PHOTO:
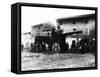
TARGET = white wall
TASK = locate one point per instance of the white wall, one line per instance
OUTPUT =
(5, 42)
(68, 27)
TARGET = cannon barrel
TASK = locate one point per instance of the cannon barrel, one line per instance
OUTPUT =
(70, 33)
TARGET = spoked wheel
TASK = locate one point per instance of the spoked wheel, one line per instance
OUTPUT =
(56, 47)
(38, 47)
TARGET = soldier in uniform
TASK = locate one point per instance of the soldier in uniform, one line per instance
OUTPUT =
(73, 46)
(43, 47)
(67, 46)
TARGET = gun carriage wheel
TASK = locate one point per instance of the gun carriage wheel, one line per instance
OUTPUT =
(38, 47)
(56, 47)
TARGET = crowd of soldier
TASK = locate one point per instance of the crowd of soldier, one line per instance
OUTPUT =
(82, 47)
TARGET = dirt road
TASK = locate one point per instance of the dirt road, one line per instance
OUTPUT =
(38, 61)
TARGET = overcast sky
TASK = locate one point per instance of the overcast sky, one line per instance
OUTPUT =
(36, 15)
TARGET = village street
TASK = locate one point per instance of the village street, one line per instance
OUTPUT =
(38, 61)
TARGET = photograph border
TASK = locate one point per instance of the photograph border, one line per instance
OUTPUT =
(16, 37)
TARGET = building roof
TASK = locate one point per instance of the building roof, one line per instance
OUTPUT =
(27, 33)
(49, 24)
(37, 26)
(77, 18)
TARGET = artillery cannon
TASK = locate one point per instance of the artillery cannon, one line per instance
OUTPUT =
(53, 38)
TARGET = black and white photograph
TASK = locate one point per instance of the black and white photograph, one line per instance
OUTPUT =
(57, 38)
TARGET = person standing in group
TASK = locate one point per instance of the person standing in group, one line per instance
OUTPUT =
(73, 46)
